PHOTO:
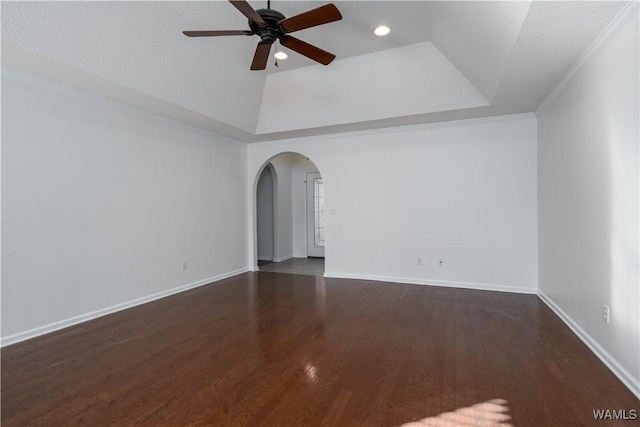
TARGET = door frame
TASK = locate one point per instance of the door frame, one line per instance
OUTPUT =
(309, 213)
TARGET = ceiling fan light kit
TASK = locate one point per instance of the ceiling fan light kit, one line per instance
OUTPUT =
(271, 26)
(382, 31)
(280, 55)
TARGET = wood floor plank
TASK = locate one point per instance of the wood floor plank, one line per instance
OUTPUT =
(283, 349)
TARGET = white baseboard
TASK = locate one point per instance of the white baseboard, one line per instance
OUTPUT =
(265, 258)
(428, 282)
(283, 258)
(55, 326)
(610, 362)
(300, 255)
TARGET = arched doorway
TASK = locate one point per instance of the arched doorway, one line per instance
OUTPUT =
(297, 212)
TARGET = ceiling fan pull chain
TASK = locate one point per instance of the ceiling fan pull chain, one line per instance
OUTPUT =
(276, 56)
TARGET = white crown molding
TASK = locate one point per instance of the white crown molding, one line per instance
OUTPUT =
(330, 136)
(19, 74)
(167, 120)
(619, 22)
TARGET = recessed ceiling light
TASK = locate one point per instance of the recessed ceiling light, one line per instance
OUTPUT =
(280, 55)
(382, 30)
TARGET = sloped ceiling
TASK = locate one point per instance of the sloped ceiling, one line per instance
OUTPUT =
(442, 60)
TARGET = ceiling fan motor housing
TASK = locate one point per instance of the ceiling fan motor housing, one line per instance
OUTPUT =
(269, 33)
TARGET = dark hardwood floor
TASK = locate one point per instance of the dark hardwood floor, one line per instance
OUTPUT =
(282, 349)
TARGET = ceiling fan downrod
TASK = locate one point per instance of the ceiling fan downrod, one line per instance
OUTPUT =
(269, 32)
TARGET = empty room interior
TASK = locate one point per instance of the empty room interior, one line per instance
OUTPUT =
(378, 213)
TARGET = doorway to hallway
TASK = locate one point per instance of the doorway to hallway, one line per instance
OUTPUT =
(304, 266)
(290, 216)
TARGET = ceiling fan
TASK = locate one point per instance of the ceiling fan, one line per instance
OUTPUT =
(272, 25)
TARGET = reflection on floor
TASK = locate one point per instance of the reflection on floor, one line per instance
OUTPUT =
(306, 266)
(272, 349)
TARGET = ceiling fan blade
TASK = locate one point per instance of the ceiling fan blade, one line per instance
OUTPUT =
(308, 50)
(246, 9)
(261, 56)
(213, 33)
(322, 15)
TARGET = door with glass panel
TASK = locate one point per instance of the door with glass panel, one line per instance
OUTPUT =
(315, 215)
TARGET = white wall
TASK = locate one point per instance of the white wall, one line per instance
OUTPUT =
(464, 191)
(265, 197)
(102, 204)
(283, 210)
(588, 203)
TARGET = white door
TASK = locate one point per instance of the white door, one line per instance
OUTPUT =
(315, 215)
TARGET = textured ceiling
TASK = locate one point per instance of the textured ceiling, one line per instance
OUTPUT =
(442, 60)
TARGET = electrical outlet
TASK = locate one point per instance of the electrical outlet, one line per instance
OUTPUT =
(605, 314)
(440, 262)
(419, 261)
(184, 266)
